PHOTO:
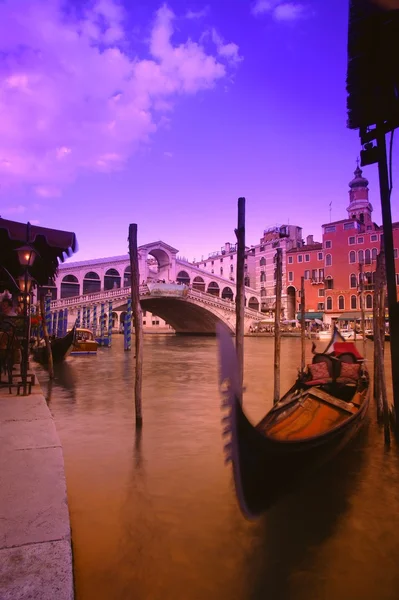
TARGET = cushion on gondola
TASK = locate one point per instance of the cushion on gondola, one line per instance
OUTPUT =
(349, 371)
(319, 371)
(312, 382)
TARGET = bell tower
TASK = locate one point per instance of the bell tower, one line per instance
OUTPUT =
(359, 206)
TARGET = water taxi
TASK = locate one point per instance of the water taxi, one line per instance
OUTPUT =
(84, 342)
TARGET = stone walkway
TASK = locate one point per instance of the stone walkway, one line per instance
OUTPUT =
(35, 536)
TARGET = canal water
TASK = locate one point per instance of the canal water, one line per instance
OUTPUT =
(154, 514)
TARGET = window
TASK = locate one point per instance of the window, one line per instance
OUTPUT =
(245, 267)
(306, 274)
(212, 270)
(328, 260)
(262, 249)
(221, 260)
(231, 257)
(262, 261)
(360, 239)
(155, 322)
(212, 262)
(231, 268)
(352, 256)
(341, 303)
(374, 254)
(351, 240)
(321, 292)
(328, 244)
(320, 306)
(263, 292)
(353, 302)
(314, 274)
(369, 301)
(144, 322)
(329, 229)
(290, 276)
(321, 274)
(367, 256)
(307, 257)
(374, 238)
(263, 277)
(353, 280)
(329, 303)
(360, 255)
(221, 270)
(349, 225)
(290, 260)
(320, 256)
(300, 257)
(329, 283)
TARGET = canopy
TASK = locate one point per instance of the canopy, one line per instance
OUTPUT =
(51, 246)
(310, 316)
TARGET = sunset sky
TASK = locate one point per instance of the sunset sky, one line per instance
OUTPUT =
(164, 114)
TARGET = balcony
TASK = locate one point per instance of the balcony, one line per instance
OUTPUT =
(316, 280)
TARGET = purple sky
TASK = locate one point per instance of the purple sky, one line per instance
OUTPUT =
(164, 114)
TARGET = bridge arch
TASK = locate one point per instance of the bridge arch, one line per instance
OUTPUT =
(253, 303)
(91, 283)
(112, 279)
(213, 288)
(183, 277)
(70, 286)
(198, 284)
(227, 293)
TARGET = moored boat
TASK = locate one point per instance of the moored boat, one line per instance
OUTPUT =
(370, 336)
(60, 348)
(313, 421)
(84, 342)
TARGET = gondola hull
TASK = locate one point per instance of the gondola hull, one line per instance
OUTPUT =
(60, 348)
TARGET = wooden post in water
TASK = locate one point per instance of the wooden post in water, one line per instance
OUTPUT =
(240, 297)
(50, 364)
(138, 319)
(303, 324)
(380, 390)
(277, 317)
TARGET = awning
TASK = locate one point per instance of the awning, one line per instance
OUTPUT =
(52, 246)
(310, 316)
(349, 316)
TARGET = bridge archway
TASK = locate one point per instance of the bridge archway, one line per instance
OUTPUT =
(91, 283)
(291, 302)
(183, 277)
(227, 293)
(213, 289)
(198, 284)
(112, 279)
(127, 277)
(70, 286)
(253, 303)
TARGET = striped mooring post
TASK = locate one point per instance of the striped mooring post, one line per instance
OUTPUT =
(127, 326)
(109, 323)
(84, 323)
(88, 317)
(95, 320)
(47, 313)
(60, 323)
(78, 318)
(65, 322)
(102, 324)
(55, 322)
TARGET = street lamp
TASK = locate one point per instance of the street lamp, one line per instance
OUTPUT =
(26, 256)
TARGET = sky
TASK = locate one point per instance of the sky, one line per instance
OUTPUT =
(163, 114)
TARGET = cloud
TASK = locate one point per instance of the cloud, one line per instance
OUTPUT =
(76, 96)
(14, 210)
(34, 222)
(279, 10)
(228, 51)
(199, 14)
(168, 154)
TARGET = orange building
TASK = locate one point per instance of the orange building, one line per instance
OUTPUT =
(331, 268)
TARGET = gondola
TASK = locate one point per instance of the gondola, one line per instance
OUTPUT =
(313, 421)
(60, 348)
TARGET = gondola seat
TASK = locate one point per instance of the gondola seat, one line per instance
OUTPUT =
(321, 371)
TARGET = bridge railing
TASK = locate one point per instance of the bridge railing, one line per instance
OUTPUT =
(225, 302)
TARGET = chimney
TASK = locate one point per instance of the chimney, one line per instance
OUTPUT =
(227, 246)
(309, 240)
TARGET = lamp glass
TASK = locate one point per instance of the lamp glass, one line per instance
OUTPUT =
(22, 282)
(26, 256)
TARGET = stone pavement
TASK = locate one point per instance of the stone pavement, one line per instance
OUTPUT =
(35, 536)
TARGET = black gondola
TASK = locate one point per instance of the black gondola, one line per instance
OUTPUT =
(313, 421)
(60, 348)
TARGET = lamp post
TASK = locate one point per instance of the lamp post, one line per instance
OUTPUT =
(26, 257)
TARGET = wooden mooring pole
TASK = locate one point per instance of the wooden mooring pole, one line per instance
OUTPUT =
(380, 389)
(303, 324)
(277, 335)
(240, 297)
(138, 320)
(50, 364)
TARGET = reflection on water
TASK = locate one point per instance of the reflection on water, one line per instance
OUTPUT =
(153, 511)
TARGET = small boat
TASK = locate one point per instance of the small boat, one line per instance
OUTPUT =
(324, 334)
(350, 335)
(370, 336)
(313, 421)
(84, 342)
(60, 348)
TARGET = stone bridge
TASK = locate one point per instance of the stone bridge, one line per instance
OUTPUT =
(187, 310)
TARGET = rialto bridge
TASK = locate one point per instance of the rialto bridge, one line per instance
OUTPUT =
(183, 296)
